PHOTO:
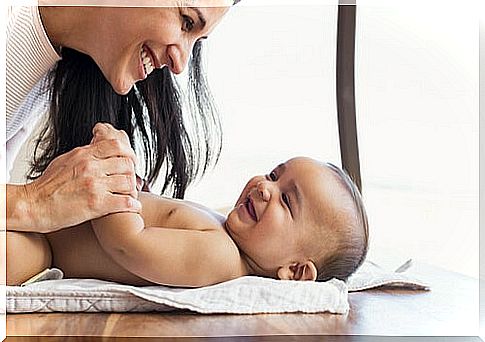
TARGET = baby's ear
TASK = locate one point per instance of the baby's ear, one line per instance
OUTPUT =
(298, 271)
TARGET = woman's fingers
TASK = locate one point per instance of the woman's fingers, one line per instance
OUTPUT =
(104, 131)
(117, 203)
(103, 149)
(122, 185)
(116, 158)
(110, 142)
(115, 166)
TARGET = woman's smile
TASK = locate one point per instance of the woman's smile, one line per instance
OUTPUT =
(148, 62)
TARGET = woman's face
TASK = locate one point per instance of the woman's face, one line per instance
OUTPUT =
(133, 41)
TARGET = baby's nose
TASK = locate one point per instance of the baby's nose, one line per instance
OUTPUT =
(263, 191)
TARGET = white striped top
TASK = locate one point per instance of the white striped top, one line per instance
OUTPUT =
(29, 56)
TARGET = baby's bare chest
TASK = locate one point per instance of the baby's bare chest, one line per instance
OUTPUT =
(169, 213)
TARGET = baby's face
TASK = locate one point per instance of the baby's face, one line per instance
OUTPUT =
(277, 214)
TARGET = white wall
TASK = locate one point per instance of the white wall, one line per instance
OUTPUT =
(417, 100)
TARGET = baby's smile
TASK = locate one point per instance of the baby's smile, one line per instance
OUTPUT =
(250, 208)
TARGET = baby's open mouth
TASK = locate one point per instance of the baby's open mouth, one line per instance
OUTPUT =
(250, 208)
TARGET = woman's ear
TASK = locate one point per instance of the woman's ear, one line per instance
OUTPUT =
(298, 271)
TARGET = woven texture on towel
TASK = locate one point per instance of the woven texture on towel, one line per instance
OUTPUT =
(246, 295)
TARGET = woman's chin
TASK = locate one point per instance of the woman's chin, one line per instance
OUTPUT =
(122, 86)
(123, 89)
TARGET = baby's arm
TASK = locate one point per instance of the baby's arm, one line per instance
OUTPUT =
(178, 257)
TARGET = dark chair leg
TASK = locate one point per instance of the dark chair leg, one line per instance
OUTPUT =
(349, 149)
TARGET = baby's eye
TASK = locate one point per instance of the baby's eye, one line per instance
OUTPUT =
(272, 176)
(286, 200)
(188, 23)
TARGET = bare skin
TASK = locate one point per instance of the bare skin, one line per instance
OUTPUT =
(87, 182)
(79, 254)
(273, 231)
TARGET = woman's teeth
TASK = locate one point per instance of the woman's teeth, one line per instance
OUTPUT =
(147, 62)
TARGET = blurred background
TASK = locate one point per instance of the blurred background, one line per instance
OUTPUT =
(272, 72)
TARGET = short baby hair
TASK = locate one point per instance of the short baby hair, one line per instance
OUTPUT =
(353, 241)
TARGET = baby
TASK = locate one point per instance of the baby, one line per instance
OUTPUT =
(303, 221)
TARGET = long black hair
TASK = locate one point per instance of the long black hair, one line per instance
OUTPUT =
(184, 144)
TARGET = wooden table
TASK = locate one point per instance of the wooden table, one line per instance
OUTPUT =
(449, 309)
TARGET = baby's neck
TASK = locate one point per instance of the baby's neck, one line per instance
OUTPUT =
(251, 268)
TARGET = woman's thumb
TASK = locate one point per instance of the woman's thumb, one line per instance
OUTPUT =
(100, 131)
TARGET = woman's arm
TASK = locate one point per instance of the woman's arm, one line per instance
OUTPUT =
(178, 257)
(85, 183)
(18, 212)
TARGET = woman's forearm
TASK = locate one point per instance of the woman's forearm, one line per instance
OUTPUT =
(19, 213)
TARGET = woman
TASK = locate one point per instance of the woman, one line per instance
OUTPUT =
(112, 65)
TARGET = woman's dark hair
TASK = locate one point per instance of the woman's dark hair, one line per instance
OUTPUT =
(151, 113)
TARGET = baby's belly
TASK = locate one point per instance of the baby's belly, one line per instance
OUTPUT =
(77, 253)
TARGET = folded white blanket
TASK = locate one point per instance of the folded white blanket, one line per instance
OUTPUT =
(246, 295)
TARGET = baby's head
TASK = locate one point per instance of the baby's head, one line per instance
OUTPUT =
(304, 221)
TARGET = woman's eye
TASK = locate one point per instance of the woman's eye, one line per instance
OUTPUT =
(272, 176)
(188, 23)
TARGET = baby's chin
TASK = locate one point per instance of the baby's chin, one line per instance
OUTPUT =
(231, 213)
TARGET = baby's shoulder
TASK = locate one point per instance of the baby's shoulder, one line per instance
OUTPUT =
(219, 258)
(172, 213)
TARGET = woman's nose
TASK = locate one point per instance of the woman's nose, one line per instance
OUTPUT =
(263, 191)
(180, 55)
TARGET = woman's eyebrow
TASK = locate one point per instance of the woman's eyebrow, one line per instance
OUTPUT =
(202, 20)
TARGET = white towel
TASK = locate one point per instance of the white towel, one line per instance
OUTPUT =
(246, 295)
(243, 296)
(371, 275)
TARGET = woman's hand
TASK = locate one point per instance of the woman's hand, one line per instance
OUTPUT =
(86, 183)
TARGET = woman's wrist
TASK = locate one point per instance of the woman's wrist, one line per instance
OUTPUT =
(19, 209)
